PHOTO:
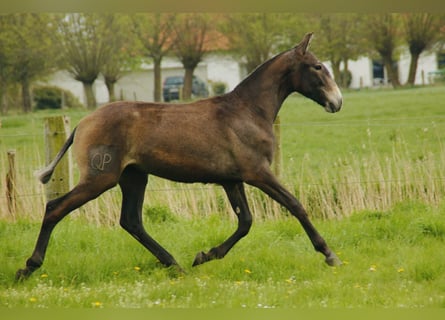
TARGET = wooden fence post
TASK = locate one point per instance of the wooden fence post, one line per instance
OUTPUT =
(56, 132)
(11, 184)
(277, 161)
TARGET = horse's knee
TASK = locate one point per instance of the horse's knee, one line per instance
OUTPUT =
(130, 226)
(52, 204)
(51, 217)
(244, 226)
(124, 224)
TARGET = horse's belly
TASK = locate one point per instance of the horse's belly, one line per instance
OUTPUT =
(189, 168)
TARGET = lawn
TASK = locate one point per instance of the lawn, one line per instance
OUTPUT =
(391, 259)
(385, 146)
(372, 178)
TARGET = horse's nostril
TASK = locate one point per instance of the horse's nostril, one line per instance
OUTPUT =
(332, 107)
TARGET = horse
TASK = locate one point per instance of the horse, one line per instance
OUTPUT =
(226, 140)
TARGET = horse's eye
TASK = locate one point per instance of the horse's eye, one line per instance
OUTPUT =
(317, 67)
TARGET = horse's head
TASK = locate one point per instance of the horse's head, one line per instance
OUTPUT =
(312, 79)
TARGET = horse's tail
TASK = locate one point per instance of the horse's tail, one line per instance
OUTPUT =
(45, 174)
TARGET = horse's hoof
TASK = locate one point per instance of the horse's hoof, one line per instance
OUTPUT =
(176, 270)
(200, 258)
(332, 260)
(22, 274)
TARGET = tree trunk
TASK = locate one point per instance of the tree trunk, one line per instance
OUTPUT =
(3, 100)
(157, 79)
(346, 79)
(335, 64)
(26, 95)
(413, 68)
(393, 75)
(277, 158)
(188, 80)
(89, 95)
(109, 83)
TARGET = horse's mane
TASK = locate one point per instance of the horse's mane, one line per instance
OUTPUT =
(259, 70)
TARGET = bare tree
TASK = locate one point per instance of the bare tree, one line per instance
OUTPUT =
(338, 40)
(26, 51)
(191, 32)
(154, 33)
(85, 47)
(383, 34)
(123, 50)
(5, 63)
(257, 36)
(422, 31)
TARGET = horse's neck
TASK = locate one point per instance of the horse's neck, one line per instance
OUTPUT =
(265, 89)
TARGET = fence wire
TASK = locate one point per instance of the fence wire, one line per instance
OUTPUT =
(365, 123)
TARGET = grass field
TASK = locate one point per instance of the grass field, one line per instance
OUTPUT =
(372, 177)
(382, 148)
(391, 259)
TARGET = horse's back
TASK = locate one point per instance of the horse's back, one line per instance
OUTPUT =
(184, 142)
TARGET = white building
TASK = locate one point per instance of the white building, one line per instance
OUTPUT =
(138, 85)
(367, 73)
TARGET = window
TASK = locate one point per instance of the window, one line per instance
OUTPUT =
(441, 60)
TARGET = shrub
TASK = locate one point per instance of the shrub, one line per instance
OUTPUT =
(159, 213)
(219, 87)
(440, 76)
(345, 78)
(50, 97)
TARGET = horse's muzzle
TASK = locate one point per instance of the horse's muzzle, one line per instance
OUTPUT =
(334, 101)
(333, 107)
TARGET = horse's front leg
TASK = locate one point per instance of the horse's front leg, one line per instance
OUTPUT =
(237, 198)
(133, 183)
(268, 184)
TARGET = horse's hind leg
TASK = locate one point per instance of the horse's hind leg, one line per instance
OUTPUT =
(55, 211)
(237, 198)
(133, 183)
(268, 184)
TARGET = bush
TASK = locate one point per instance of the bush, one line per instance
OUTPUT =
(158, 214)
(50, 97)
(345, 78)
(219, 87)
(440, 76)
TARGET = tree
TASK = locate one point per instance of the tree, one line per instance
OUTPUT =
(338, 40)
(122, 51)
(191, 33)
(5, 63)
(26, 51)
(85, 47)
(383, 34)
(422, 31)
(154, 33)
(257, 36)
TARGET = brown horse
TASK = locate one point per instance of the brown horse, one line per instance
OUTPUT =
(226, 140)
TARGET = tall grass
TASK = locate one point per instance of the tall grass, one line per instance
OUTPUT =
(385, 147)
(374, 182)
(392, 259)
(378, 165)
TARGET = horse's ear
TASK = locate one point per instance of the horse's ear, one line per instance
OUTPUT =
(304, 44)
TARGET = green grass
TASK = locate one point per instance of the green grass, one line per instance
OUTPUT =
(369, 122)
(372, 178)
(384, 147)
(391, 259)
